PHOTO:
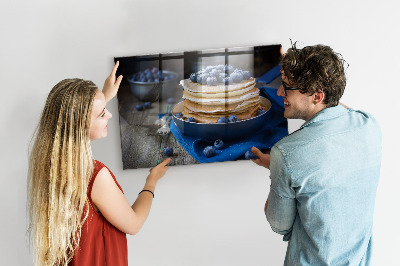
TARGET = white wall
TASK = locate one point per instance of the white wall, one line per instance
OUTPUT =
(204, 214)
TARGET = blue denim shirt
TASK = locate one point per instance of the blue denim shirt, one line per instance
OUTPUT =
(323, 183)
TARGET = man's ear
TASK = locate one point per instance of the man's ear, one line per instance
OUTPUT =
(318, 97)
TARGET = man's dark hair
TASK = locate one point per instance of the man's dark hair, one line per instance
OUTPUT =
(316, 69)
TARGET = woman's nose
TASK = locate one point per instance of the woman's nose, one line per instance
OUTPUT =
(109, 114)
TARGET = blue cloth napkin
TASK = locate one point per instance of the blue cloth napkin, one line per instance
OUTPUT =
(270, 75)
(275, 129)
(270, 94)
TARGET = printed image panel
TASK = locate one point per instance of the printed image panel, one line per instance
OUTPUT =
(203, 106)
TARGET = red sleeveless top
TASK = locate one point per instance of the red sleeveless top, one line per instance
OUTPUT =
(101, 243)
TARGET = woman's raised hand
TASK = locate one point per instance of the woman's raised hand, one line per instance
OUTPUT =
(111, 85)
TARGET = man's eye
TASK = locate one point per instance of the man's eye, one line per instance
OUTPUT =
(103, 114)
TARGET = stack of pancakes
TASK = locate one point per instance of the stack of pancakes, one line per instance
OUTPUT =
(207, 103)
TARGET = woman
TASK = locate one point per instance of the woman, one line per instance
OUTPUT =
(78, 212)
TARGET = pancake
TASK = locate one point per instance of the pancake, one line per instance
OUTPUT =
(190, 86)
(212, 93)
(221, 109)
(222, 98)
(200, 118)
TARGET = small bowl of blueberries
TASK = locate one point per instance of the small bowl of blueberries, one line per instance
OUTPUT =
(153, 84)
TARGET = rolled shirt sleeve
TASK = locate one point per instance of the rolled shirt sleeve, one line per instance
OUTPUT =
(281, 210)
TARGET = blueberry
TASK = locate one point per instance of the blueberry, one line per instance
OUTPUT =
(156, 80)
(193, 77)
(221, 77)
(211, 74)
(199, 79)
(135, 77)
(154, 70)
(147, 70)
(260, 112)
(229, 69)
(212, 81)
(150, 80)
(222, 119)
(179, 115)
(202, 78)
(250, 155)
(219, 144)
(215, 72)
(236, 77)
(233, 118)
(227, 80)
(208, 69)
(246, 75)
(149, 75)
(209, 151)
(139, 107)
(168, 151)
(220, 67)
(147, 104)
(190, 119)
(143, 79)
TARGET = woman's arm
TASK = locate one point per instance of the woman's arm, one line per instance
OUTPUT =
(114, 206)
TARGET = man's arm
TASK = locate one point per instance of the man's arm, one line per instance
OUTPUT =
(280, 208)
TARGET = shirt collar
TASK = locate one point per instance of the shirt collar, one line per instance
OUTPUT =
(326, 114)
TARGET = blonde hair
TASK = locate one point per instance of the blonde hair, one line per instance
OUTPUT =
(60, 167)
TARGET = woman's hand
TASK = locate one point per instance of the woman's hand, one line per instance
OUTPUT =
(158, 171)
(264, 159)
(111, 85)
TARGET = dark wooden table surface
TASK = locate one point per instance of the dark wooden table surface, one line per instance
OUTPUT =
(141, 146)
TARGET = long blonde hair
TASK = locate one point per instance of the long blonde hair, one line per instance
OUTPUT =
(60, 168)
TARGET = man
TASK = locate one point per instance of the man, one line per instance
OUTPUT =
(323, 176)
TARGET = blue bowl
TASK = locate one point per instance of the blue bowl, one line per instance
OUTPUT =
(154, 91)
(225, 131)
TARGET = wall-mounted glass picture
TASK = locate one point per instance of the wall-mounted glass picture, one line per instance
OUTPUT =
(203, 106)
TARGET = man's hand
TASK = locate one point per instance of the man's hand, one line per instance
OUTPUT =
(111, 85)
(264, 158)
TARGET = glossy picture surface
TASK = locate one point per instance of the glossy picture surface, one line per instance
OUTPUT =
(199, 106)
